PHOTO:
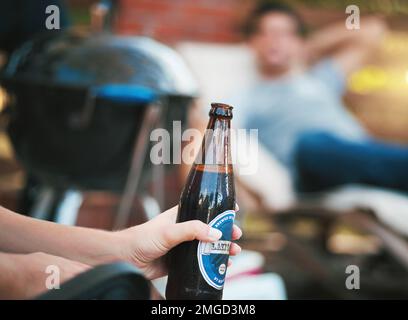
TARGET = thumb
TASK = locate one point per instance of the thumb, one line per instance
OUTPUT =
(191, 230)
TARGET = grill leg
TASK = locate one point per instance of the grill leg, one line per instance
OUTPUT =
(150, 119)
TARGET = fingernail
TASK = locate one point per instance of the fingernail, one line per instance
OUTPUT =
(239, 249)
(214, 234)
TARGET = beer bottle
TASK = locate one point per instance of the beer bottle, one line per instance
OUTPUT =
(197, 269)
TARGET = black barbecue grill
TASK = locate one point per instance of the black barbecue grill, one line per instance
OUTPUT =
(83, 106)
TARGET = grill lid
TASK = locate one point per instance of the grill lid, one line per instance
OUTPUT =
(71, 58)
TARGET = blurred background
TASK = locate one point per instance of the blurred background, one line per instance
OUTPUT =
(302, 254)
(376, 93)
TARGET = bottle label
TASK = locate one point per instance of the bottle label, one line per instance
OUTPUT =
(213, 257)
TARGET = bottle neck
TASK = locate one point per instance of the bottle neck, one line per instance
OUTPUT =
(215, 149)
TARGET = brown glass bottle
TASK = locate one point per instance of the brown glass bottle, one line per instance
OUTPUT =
(196, 269)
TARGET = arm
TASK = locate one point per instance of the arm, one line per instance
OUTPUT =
(348, 48)
(10, 281)
(24, 276)
(21, 234)
(143, 245)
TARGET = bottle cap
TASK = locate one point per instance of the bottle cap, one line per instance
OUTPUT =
(221, 109)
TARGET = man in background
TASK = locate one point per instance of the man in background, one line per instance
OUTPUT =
(297, 107)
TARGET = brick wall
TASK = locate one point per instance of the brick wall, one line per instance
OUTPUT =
(170, 21)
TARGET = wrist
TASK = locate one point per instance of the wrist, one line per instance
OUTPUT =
(112, 250)
(130, 243)
(13, 276)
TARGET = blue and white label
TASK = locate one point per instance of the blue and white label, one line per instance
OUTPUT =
(213, 256)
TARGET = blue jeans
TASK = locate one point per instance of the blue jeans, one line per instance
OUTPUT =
(324, 161)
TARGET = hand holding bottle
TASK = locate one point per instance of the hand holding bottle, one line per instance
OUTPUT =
(148, 243)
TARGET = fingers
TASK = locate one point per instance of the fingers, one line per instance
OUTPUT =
(188, 231)
(192, 230)
(235, 249)
(236, 232)
(197, 230)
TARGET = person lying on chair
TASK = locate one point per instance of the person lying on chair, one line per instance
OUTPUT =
(28, 246)
(296, 104)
